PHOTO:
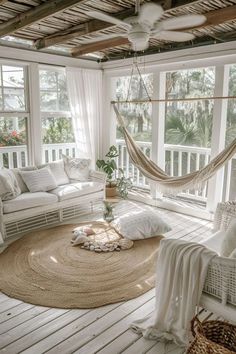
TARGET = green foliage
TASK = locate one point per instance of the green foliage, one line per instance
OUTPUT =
(57, 130)
(109, 166)
(123, 184)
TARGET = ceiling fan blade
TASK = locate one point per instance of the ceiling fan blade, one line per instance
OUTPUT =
(173, 36)
(185, 21)
(150, 13)
(107, 18)
(103, 38)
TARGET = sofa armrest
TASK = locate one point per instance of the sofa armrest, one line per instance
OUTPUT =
(97, 176)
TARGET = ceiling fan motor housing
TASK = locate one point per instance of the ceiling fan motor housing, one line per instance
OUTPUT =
(138, 34)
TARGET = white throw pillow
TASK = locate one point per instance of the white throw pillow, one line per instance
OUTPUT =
(21, 183)
(77, 168)
(58, 171)
(41, 180)
(233, 254)
(9, 188)
(140, 224)
(229, 241)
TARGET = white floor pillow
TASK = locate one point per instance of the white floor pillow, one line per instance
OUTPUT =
(140, 224)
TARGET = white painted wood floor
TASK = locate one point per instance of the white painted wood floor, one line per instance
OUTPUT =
(25, 328)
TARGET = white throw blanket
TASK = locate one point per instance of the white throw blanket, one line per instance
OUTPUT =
(181, 272)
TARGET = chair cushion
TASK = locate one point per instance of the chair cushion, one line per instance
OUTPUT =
(214, 242)
(58, 171)
(77, 189)
(229, 240)
(28, 200)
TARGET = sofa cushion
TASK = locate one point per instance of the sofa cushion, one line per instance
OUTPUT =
(9, 188)
(28, 200)
(58, 171)
(77, 189)
(41, 180)
(21, 183)
(77, 168)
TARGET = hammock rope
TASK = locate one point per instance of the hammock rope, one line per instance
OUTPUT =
(166, 183)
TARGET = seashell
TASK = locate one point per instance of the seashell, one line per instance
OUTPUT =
(86, 244)
(79, 239)
(98, 250)
(125, 243)
(92, 248)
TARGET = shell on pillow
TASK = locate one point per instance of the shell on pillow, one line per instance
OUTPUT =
(125, 243)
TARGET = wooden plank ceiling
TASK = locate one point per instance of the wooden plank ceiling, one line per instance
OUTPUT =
(65, 24)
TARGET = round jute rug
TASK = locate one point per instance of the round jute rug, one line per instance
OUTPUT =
(43, 268)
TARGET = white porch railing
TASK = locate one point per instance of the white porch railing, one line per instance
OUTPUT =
(179, 160)
(16, 156)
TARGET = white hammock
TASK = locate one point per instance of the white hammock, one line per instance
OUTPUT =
(193, 180)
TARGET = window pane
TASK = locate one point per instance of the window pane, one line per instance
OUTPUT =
(48, 79)
(190, 83)
(14, 99)
(53, 91)
(189, 123)
(13, 142)
(231, 112)
(138, 120)
(58, 138)
(13, 76)
(48, 101)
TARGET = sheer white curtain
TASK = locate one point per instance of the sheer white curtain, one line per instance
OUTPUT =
(85, 96)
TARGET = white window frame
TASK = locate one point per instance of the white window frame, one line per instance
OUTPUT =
(19, 114)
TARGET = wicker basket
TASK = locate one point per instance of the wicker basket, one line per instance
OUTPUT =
(212, 337)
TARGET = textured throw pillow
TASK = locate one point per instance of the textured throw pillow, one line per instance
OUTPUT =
(140, 225)
(58, 171)
(77, 168)
(21, 183)
(9, 188)
(229, 241)
(41, 180)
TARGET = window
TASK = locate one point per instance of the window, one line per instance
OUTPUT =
(188, 122)
(138, 120)
(57, 129)
(13, 116)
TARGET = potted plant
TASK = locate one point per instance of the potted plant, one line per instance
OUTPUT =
(114, 183)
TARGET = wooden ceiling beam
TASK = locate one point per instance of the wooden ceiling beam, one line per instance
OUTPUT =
(214, 18)
(35, 14)
(88, 27)
(94, 47)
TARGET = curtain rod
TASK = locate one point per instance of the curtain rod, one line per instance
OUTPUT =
(175, 99)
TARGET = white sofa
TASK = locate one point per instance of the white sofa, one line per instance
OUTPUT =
(30, 211)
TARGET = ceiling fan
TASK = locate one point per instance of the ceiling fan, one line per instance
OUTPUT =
(146, 24)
